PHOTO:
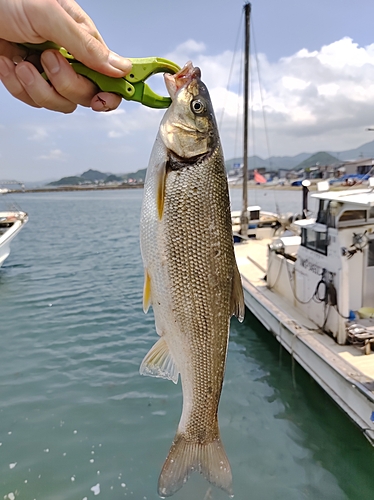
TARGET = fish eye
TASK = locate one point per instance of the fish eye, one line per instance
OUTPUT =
(198, 106)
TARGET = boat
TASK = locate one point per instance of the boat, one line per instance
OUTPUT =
(11, 223)
(315, 293)
(312, 287)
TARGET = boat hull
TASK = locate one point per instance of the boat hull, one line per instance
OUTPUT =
(16, 221)
(344, 385)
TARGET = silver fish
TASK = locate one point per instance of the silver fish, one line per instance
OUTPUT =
(191, 276)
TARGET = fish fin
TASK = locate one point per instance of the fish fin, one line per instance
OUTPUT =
(237, 296)
(159, 363)
(161, 182)
(146, 291)
(185, 457)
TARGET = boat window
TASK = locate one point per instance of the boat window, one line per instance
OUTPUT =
(314, 240)
(371, 213)
(349, 215)
(321, 246)
(254, 215)
(371, 253)
(322, 212)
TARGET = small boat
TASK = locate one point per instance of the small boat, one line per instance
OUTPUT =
(11, 223)
(259, 222)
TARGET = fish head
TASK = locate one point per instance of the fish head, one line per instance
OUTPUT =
(189, 127)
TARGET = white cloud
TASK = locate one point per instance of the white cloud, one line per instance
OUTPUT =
(54, 154)
(313, 100)
(38, 134)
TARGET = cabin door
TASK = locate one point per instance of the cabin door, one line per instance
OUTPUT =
(368, 295)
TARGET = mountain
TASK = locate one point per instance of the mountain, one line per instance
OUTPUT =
(112, 178)
(321, 158)
(138, 176)
(94, 175)
(291, 162)
(302, 160)
(68, 181)
(364, 151)
(272, 163)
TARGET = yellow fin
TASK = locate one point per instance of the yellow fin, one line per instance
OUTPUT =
(237, 297)
(159, 363)
(161, 174)
(146, 291)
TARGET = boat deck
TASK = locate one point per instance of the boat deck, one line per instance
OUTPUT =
(251, 257)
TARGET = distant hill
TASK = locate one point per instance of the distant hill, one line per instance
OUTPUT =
(113, 178)
(68, 181)
(272, 163)
(138, 176)
(293, 162)
(321, 158)
(302, 160)
(364, 151)
(94, 175)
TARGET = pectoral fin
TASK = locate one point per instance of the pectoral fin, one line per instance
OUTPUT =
(237, 296)
(159, 362)
(146, 291)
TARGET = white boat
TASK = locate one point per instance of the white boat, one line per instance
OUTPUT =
(315, 293)
(11, 223)
(257, 219)
(314, 289)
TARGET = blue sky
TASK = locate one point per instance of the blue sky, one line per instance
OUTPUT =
(316, 63)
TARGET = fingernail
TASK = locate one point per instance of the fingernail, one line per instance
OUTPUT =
(51, 62)
(25, 74)
(119, 62)
(4, 70)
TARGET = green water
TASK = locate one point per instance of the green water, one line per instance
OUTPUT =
(77, 421)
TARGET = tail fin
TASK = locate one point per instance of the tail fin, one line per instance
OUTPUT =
(185, 457)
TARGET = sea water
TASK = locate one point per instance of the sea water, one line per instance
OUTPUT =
(77, 421)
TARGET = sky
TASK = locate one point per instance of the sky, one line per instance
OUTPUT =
(315, 65)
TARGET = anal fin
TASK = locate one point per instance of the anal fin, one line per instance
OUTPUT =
(146, 291)
(237, 296)
(159, 363)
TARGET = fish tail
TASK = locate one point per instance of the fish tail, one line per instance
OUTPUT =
(185, 457)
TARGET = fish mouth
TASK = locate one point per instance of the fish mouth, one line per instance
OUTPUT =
(181, 79)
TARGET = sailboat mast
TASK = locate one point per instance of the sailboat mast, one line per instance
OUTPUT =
(244, 215)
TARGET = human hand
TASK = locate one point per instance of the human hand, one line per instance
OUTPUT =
(66, 24)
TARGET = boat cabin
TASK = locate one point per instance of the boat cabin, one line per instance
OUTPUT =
(328, 271)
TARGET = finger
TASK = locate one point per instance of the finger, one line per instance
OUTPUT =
(103, 101)
(78, 41)
(66, 81)
(80, 16)
(11, 82)
(41, 93)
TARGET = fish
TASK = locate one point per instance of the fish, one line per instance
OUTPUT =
(191, 276)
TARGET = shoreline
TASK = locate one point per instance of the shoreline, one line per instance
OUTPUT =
(75, 188)
(251, 187)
